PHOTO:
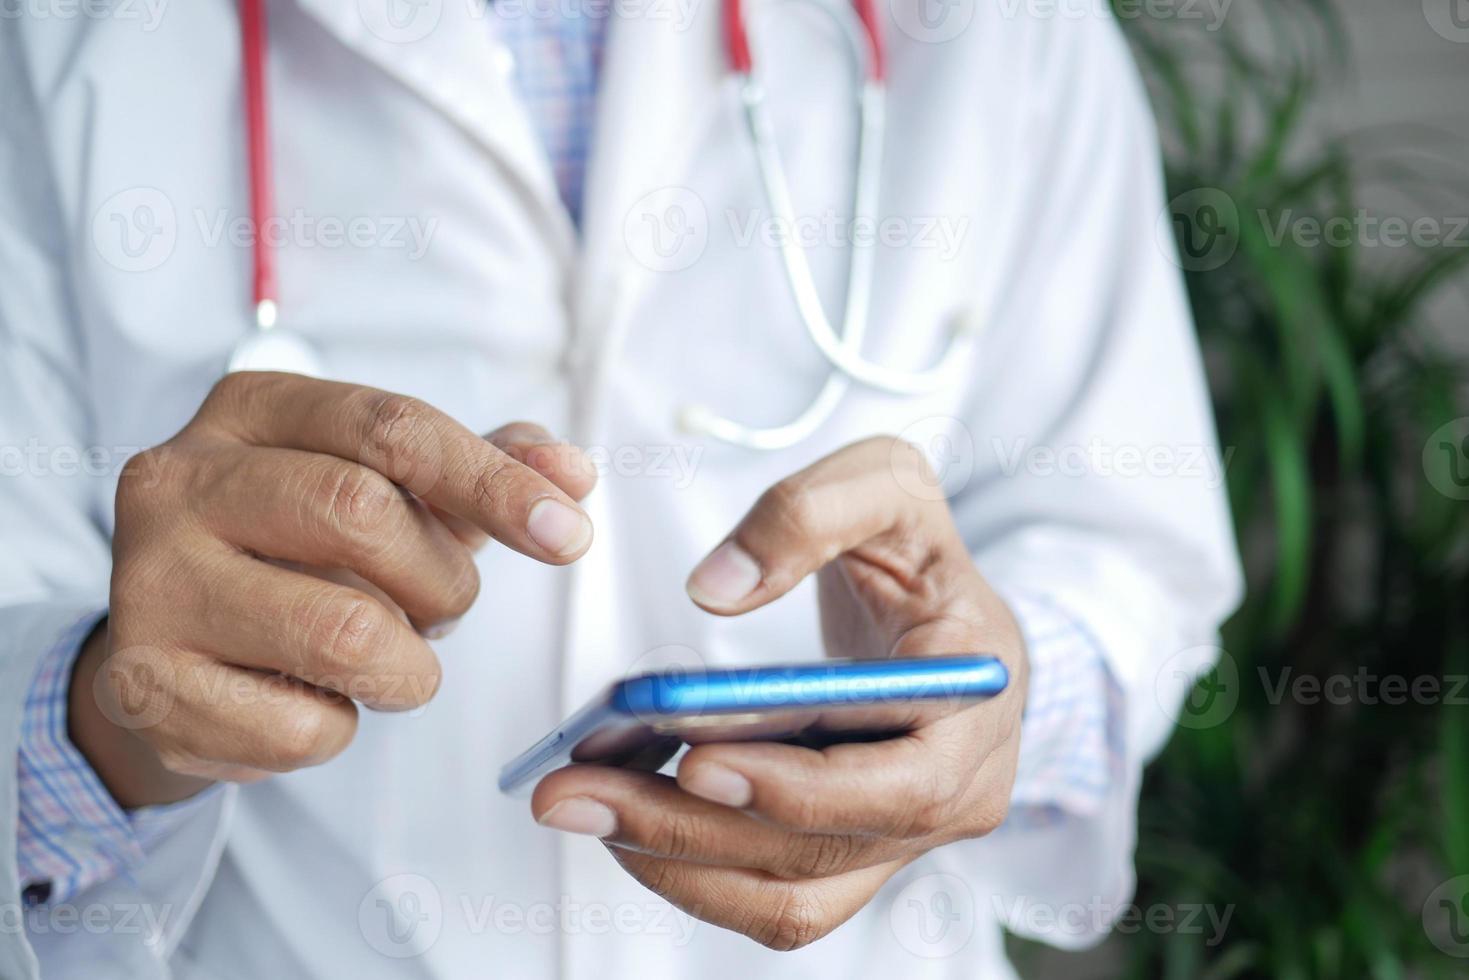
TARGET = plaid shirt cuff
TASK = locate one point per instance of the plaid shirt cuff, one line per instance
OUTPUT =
(71, 834)
(1071, 737)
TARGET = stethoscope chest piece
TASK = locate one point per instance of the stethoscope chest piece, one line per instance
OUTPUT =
(276, 350)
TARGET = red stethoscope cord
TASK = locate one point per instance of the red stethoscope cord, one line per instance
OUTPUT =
(737, 40)
(265, 288)
(253, 40)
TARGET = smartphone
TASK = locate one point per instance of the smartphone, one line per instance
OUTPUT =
(642, 720)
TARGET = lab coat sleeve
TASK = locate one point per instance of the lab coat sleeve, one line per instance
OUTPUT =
(1097, 484)
(53, 488)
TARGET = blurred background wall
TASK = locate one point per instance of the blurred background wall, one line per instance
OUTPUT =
(1410, 83)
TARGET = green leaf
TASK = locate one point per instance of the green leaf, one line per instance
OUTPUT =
(1300, 315)
(1346, 398)
(1290, 483)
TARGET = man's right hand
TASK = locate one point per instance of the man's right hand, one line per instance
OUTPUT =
(278, 561)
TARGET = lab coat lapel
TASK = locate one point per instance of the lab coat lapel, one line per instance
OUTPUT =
(660, 88)
(444, 51)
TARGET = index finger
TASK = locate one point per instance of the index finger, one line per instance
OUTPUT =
(853, 498)
(411, 443)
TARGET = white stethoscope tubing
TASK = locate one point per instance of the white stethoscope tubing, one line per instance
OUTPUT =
(842, 350)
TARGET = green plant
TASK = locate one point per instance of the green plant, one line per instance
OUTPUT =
(1324, 825)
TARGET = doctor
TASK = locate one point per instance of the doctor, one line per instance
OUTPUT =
(256, 695)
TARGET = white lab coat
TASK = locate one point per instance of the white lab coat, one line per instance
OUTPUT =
(1028, 136)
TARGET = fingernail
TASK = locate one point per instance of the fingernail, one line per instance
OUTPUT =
(725, 577)
(579, 815)
(440, 630)
(719, 784)
(560, 529)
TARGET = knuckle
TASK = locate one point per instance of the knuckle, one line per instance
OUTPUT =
(136, 466)
(819, 856)
(662, 878)
(141, 473)
(801, 810)
(132, 577)
(227, 393)
(676, 835)
(932, 811)
(923, 820)
(795, 920)
(496, 485)
(791, 503)
(396, 425)
(348, 634)
(356, 500)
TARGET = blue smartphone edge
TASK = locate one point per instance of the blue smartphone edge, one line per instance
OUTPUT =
(819, 684)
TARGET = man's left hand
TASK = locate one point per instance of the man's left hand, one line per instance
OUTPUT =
(784, 843)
